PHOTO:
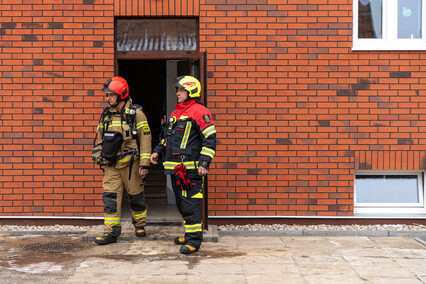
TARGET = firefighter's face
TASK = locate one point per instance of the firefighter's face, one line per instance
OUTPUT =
(111, 98)
(182, 95)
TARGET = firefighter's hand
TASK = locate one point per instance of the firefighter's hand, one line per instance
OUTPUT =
(143, 172)
(154, 158)
(202, 171)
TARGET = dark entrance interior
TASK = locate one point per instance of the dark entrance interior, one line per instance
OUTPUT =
(146, 79)
(149, 81)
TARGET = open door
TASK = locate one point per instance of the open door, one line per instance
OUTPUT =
(150, 53)
(198, 70)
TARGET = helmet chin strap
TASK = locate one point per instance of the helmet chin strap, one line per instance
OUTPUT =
(117, 102)
(188, 98)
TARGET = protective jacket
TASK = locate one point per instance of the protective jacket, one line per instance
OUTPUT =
(132, 123)
(189, 142)
(189, 138)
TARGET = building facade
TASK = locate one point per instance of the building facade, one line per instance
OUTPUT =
(320, 111)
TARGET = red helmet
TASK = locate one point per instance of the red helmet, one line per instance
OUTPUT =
(117, 85)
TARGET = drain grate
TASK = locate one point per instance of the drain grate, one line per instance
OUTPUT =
(52, 247)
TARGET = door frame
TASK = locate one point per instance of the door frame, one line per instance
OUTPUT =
(193, 57)
(201, 57)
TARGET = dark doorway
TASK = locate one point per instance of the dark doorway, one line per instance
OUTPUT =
(150, 85)
(146, 79)
(150, 54)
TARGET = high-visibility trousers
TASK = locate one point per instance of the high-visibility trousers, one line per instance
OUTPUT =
(115, 181)
(189, 205)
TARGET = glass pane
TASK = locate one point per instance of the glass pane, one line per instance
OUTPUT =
(156, 34)
(195, 70)
(409, 19)
(370, 15)
(386, 189)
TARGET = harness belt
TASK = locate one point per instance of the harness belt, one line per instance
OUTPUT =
(128, 155)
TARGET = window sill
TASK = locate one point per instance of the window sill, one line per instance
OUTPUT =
(390, 216)
(387, 47)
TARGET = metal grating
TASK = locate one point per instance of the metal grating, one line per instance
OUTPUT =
(52, 247)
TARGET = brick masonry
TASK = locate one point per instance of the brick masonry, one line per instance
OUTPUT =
(54, 56)
(297, 111)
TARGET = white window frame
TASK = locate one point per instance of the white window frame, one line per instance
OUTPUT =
(392, 208)
(389, 40)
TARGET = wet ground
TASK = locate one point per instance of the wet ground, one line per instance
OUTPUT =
(39, 258)
(234, 259)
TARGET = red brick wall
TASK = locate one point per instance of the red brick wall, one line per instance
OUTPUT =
(54, 56)
(297, 111)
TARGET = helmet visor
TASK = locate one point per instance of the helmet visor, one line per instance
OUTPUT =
(108, 90)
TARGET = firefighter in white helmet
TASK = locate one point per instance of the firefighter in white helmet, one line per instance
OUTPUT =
(187, 149)
(123, 151)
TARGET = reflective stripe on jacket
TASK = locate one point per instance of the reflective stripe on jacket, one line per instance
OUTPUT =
(189, 137)
(113, 122)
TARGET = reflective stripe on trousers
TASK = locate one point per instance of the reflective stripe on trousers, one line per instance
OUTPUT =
(115, 181)
(112, 221)
(189, 204)
(193, 228)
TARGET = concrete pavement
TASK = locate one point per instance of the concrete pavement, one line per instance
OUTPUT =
(259, 259)
(234, 259)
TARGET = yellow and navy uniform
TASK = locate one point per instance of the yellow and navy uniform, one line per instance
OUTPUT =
(189, 139)
(134, 153)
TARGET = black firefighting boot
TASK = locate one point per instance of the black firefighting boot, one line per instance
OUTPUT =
(180, 240)
(187, 249)
(140, 232)
(106, 239)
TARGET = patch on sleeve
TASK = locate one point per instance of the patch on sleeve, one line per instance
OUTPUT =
(146, 130)
(206, 118)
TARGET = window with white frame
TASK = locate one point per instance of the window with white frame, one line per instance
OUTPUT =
(389, 192)
(389, 25)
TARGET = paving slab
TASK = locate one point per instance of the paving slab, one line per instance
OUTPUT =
(234, 259)
(328, 233)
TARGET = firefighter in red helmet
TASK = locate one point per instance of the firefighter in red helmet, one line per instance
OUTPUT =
(123, 151)
(187, 149)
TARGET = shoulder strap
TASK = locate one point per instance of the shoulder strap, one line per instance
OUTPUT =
(130, 120)
(101, 120)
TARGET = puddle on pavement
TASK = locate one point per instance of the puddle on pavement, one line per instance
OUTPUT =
(37, 264)
(63, 254)
(39, 254)
(195, 258)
